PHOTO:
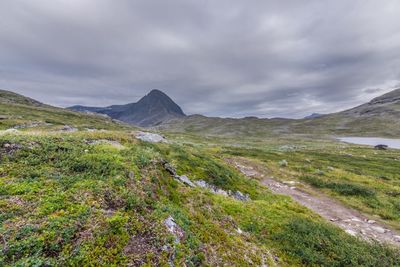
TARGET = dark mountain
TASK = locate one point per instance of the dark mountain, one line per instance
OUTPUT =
(313, 116)
(153, 109)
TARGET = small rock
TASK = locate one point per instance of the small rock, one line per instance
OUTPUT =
(240, 196)
(330, 168)
(356, 220)
(239, 231)
(220, 192)
(290, 182)
(371, 221)
(381, 147)
(174, 229)
(378, 229)
(168, 167)
(397, 238)
(292, 188)
(202, 184)
(351, 232)
(283, 163)
(131, 175)
(184, 179)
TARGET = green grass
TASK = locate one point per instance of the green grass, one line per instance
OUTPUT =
(64, 202)
(360, 177)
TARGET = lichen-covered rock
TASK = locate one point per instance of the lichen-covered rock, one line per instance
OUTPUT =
(240, 196)
(150, 137)
(174, 229)
(185, 180)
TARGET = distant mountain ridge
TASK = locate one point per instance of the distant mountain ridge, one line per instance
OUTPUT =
(153, 109)
(378, 117)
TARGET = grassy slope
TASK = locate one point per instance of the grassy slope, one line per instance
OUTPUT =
(68, 203)
(65, 202)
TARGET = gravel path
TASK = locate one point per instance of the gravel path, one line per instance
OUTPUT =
(350, 220)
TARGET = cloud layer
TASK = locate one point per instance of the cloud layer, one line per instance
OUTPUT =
(219, 58)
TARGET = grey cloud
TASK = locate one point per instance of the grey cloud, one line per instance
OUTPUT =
(218, 58)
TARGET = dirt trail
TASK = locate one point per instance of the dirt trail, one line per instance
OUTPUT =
(350, 220)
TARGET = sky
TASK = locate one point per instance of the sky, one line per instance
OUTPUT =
(217, 58)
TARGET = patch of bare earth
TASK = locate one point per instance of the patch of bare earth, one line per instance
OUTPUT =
(350, 220)
(141, 248)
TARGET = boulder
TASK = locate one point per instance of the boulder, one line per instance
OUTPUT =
(150, 137)
(381, 147)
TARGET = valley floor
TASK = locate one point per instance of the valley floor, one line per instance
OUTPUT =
(350, 220)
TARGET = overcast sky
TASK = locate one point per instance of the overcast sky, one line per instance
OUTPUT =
(218, 58)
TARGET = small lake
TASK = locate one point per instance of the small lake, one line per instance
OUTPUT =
(371, 141)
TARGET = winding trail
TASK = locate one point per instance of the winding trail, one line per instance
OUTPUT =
(350, 220)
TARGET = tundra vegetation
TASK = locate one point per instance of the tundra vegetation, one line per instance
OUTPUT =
(98, 196)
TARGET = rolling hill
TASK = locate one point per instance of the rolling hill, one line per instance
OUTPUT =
(379, 117)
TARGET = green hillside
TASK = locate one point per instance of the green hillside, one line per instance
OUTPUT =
(105, 198)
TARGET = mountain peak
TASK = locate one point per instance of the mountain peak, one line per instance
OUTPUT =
(156, 92)
(154, 108)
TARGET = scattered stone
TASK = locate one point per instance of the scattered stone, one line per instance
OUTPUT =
(292, 188)
(10, 148)
(397, 238)
(240, 196)
(185, 180)
(236, 195)
(239, 231)
(174, 229)
(381, 147)
(378, 229)
(169, 168)
(371, 221)
(220, 191)
(283, 163)
(202, 184)
(351, 232)
(330, 168)
(150, 137)
(131, 175)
